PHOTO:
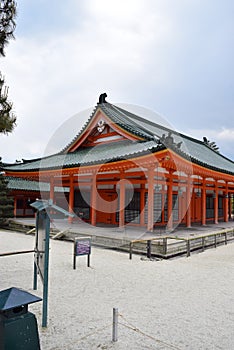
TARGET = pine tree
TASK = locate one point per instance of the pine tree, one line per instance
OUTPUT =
(7, 27)
(7, 118)
(7, 23)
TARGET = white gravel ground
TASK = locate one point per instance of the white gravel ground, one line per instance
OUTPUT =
(184, 303)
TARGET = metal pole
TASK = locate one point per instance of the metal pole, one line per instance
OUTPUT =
(115, 325)
(35, 265)
(46, 271)
(35, 276)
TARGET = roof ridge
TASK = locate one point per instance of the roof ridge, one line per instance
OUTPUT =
(147, 133)
(168, 129)
(147, 121)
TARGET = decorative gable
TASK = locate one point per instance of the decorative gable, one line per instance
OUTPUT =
(102, 133)
(101, 129)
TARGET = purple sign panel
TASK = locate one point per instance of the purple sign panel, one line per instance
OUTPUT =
(83, 246)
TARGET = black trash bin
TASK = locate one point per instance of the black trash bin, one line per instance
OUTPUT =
(18, 326)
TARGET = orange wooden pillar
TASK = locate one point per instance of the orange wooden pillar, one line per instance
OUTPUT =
(226, 204)
(150, 219)
(230, 207)
(204, 202)
(93, 204)
(122, 201)
(15, 206)
(52, 188)
(142, 205)
(71, 198)
(216, 208)
(170, 202)
(188, 202)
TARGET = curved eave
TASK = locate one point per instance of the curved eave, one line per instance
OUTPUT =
(119, 158)
(202, 164)
(143, 157)
(223, 171)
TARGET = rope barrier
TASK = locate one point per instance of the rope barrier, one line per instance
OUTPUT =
(95, 332)
(131, 327)
(136, 329)
(18, 252)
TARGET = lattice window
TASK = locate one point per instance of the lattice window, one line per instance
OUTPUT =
(132, 209)
(175, 207)
(157, 207)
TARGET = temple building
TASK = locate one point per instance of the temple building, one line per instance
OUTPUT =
(124, 169)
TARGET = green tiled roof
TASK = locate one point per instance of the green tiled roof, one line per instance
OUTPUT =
(153, 138)
(88, 156)
(196, 150)
(15, 183)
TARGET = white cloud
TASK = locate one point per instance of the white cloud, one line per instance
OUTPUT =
(224, 138)
(130, 49)
(52, 79)
(212, 134)
(226, 134)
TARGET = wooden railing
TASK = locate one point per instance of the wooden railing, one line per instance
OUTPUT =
(168, 246)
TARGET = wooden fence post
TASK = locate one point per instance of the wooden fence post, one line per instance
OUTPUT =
(203, 244)
(225, 237)
(188, 247)
(149, 249)
(130, 250)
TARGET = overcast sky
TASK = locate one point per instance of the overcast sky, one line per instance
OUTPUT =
(174, 57)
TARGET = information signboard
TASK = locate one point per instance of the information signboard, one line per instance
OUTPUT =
(82, 246)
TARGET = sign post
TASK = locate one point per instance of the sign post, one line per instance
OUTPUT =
(82, 246)
(41, 258)
(42, 242)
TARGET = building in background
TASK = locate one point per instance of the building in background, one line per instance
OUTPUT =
(124, 169)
